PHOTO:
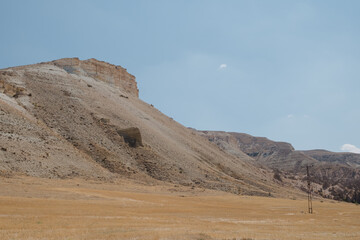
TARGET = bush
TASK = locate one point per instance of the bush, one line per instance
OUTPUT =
(277, 176)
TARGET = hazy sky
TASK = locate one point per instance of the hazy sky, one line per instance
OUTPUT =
(286, 70)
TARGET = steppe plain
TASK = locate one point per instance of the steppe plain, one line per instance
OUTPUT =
(33, 208)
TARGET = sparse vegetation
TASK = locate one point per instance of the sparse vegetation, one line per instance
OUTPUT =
(277, 175)
(77, 209)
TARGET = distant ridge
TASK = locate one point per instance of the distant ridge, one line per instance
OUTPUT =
(336, 175)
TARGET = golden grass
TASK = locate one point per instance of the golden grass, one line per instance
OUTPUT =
(33, 208)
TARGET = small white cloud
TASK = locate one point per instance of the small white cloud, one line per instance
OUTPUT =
(290, 116)
(222, 66)
(350, 148)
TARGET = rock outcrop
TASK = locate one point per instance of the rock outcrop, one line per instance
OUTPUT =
(132, 136)
(100, 70)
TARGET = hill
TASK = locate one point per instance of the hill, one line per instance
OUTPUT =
(336, 175)
(71, 118)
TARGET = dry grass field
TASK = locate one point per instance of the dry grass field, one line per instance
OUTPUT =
(32, 208)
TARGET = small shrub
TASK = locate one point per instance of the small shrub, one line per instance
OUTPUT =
(277, 176)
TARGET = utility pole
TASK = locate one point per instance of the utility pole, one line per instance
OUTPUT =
(309, 190)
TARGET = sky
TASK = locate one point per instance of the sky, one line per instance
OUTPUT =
(286, 70)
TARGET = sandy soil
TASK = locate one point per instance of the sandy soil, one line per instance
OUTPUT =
(33, 208)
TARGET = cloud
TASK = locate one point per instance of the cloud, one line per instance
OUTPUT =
(350, 148)
(292, 116)
(222, 66)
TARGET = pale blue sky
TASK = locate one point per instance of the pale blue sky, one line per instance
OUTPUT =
(286, 70)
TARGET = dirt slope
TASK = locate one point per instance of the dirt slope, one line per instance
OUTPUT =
(83, 118)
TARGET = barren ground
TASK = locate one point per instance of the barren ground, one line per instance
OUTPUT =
(33, 208)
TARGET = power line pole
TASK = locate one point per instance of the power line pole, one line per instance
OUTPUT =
(309, 190)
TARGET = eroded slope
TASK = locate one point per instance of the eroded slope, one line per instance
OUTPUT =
(91, 123)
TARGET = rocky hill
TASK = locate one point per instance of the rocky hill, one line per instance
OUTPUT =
(336, 175)
(72, 118)
(275, 155)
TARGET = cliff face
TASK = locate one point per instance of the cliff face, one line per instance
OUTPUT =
(100, 70)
